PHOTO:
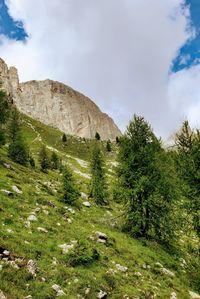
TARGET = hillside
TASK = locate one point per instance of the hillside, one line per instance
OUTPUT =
(48, 249)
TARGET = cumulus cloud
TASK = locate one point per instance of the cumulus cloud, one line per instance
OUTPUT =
(117, 52)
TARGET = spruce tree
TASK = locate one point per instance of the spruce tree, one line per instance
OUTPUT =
(4, 111)
(146, 178)
(70, 192)
(97, 136)
(108, 146)
(64, 138)
(98, 182)
(54, 161)
(18, 150)
(44, 159)
(188, 161)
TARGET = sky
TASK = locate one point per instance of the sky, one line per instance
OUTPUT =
(128, 56)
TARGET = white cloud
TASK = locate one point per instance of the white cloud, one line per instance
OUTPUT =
(117, 52)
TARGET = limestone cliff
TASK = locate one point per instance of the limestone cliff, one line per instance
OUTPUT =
(58, 105)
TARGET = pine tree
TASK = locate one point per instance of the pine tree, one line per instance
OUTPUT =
(146, 178)
(70, 193)
(64, 138)
(44, 159)
(108, 146)
(18, 151)
(98, 183)
(54, 161)
(4, 111)
(97, 136)
(188, 161)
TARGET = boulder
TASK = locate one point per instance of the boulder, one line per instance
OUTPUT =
(121, 268)
(194, 295)
(42, 229)
(58, 290)
(87, 204)
(16, 190)
(32, 218)
(31, 266)
(102, 294)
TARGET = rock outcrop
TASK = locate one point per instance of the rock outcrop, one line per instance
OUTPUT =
(57, 105)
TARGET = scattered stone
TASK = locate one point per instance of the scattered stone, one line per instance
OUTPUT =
(159, 265)
(194, 295)
(69, 220)
(84, 196)
(6, 252)
(66, 247)
(16, 189)
(102, 294)
(32, 218)
(58, 290)
(87, 204)
(10, 231)
(173, 295)
(58, 224)
(167, 272)
(1, 267)
(42, 229)
(2, 296)
(76, 280)
(87, 291)
(37, 210)
(121, 268)
(183, 263)
(43, 279)
(27, 224)
(55, 261)
(99, 237)
(145, 266)
(31, 267)
(8, 166)
(9, 193)
(70, 210)
(28, 297)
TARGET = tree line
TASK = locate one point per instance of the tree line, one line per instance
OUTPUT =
(159, 187)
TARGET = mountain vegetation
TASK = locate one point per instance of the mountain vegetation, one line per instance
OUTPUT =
(80, 221)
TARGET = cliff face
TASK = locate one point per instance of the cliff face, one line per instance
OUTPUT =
(58, 105)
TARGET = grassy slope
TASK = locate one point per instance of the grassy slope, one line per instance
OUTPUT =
(29, 243)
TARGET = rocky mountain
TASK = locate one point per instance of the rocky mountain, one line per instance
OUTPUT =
(57, 105)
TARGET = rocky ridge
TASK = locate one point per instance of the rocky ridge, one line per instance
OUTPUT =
(55, 104)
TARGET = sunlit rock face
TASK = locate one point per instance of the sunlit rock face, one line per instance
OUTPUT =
(57, 105)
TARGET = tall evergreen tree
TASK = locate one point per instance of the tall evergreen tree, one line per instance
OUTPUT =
(18, 150)
(146, 177)
(98, 182)
(108, 146)
(4, 111)
(97, 136)
(44, 159)
(188, 158)
(70, 192)
(64, 138)
(54, 161)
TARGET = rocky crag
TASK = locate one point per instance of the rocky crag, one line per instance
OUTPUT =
(57, 105)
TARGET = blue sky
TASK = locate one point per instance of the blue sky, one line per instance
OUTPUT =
(189, 54)
(116, 52)
(8, 27)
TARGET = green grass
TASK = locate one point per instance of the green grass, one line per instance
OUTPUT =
(86, 271)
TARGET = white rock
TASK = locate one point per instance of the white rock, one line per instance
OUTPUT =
(32, 218)
(87, 204)
(9, 193)
(167, 272)
(6, 252)
(102, 294)
(37, 210)
(46, 212)
(1, 267)
(16, 189)
(2, 296)
(55, 261)
(10, 231)
(121, 268)
(28, 297)
(159, 265)
(27, 224)
(84, 196)
(31, 267)
(42, 229)
(194, 295)
(101, 235)
(173, 295)
(58, 290)
(66, 247)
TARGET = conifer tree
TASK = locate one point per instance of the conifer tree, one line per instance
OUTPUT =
(97, 136)
(108, 146)
(98, 182)
(4, 111)
(146, 178)
(188, 160)
(18, 151)
(44, 159)
(64, 138)
(70, 192)
(54, 161)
